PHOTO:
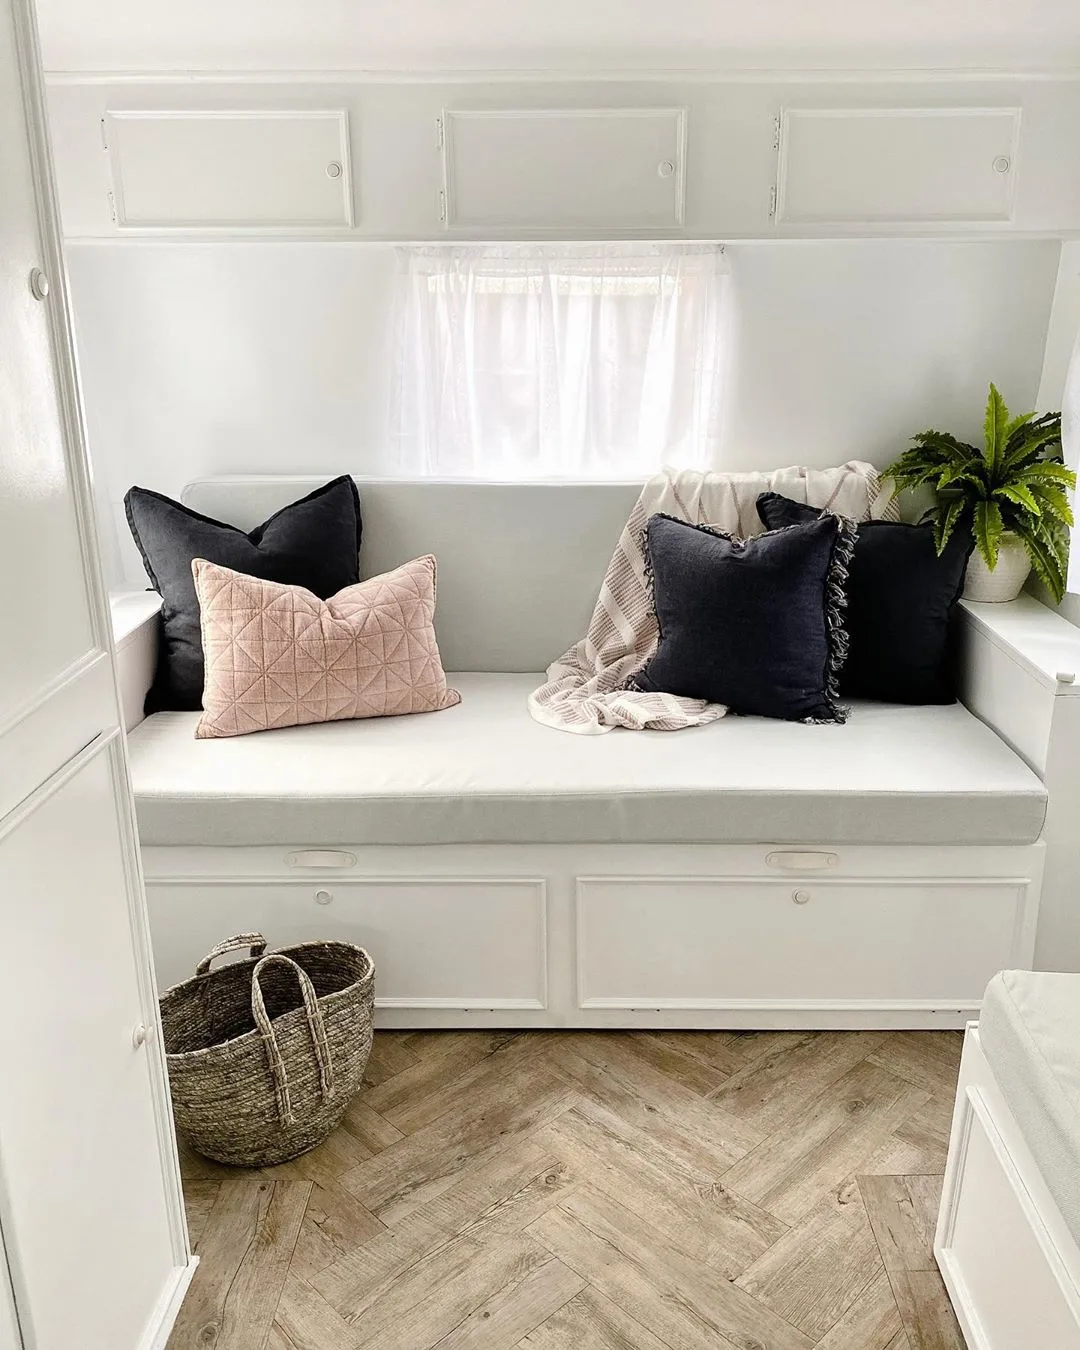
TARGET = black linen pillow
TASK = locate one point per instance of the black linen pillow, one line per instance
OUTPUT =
(313, 542)
(753, 623)
(900, 597)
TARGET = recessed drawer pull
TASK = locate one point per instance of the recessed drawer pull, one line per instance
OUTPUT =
(801, 897)
(801, 862)
(324, 897)
(321, 857)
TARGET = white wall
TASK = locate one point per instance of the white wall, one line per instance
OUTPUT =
(1059, 387)
(204, 358)
(533, 34)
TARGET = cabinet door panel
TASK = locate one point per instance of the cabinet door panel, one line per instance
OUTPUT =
(86, 1201)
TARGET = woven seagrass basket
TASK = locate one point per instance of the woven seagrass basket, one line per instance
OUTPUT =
(265, 1054)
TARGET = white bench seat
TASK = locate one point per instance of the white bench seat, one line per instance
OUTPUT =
(484, 772)
(1029, 1030)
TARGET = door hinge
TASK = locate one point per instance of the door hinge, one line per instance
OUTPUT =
(112, 206)
(777, 123)
(438, 133)
(772, 202)
(104, 136)
(442, 205)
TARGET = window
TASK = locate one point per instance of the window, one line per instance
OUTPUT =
(558, 361)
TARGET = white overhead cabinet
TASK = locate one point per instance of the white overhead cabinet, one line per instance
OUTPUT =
(564, 169)
(892, 166)
(226, 169)
(91, 1217)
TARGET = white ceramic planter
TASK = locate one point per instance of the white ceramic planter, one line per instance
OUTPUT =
(1007, 579)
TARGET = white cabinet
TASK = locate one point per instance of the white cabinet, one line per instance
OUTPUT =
(851, 166)
(226, 169)
(91, 1213)
(87, 1199)
(564, 168)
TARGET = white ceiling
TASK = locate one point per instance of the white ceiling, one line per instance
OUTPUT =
(560, 35)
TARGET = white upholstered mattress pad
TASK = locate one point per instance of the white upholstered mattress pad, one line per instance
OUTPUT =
(484, 772)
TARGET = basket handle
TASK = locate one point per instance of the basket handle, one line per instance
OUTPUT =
(255, 941)
(315, 1024)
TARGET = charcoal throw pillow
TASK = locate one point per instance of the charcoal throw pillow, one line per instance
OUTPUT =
(900, 597)
(313, 542)
(756, 624)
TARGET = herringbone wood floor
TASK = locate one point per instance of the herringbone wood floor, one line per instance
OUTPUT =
(596, 1191)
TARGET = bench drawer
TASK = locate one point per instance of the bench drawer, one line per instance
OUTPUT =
(702, 942)
(460, 942)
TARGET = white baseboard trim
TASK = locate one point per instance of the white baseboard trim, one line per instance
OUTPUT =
(168, 1309)
(761, 1018)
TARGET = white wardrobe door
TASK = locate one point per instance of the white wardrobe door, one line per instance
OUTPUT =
(10, 1338)
(37, 495)
(87, 1213)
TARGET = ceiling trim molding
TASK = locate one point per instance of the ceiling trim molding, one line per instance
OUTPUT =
(755, 75)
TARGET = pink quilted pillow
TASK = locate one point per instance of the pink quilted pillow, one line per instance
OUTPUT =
(278, 656)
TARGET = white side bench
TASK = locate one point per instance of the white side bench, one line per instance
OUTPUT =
(1008, 1234)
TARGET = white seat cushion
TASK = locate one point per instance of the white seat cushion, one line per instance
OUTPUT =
(485, 772)
(1029, 1030)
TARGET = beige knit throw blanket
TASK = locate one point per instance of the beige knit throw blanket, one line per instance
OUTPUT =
(585, 689)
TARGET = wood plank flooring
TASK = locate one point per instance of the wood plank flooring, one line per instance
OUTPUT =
(596, 1191)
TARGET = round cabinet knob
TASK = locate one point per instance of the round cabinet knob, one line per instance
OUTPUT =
(39, 284)
(323, 897)
(801, 897)
(334, 169)
(1002, 164)
(665, 168)
(138, 1036)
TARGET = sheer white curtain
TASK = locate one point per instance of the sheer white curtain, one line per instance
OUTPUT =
(1070, 448)
(558, 360)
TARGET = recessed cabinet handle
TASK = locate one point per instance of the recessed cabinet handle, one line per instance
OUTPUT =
(320, 857)
(801, 897)
(139, 1034)
(792, 861)
(324, 897)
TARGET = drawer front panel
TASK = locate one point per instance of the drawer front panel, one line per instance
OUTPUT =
(458, 942)
(699, 942)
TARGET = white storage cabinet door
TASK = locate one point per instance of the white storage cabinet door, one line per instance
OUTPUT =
(90, 1205)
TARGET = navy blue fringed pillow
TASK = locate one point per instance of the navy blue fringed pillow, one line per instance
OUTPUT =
(313, 542)
(900, 598)
(756, 624)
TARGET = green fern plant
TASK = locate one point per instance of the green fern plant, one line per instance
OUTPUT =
(1015, 482)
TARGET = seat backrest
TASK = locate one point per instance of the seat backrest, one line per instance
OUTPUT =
(519, 564)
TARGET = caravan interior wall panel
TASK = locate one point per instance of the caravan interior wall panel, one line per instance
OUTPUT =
(565, 168)
(864, 165)
(229, 169)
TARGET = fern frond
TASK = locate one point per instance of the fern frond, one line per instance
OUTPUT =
(994, 425)
(1039, 439)
(1053, 502)
(1015, 425)
(947, 446)
(945, 522)
(1046, 472)
(989, 528)
(1019, 495)
(1049, 553)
